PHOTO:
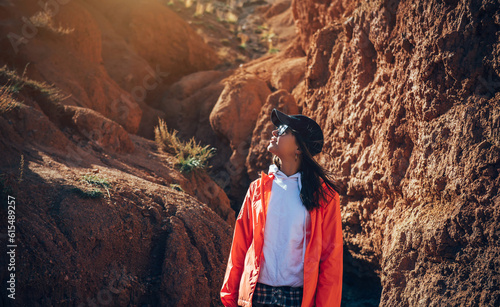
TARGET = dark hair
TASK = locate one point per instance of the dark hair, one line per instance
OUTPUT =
(311, 172)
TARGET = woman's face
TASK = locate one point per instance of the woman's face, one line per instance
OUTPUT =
(283, 143)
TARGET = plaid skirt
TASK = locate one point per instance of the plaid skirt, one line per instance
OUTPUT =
(282, 296)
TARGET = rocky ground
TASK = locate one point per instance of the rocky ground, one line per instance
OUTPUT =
(407, 94)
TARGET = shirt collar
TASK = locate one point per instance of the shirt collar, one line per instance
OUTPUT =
(273, 169)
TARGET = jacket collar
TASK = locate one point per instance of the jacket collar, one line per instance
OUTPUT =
(273, 169)
(268, 179)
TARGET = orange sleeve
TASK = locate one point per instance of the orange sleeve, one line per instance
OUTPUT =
(242, 238)
(329, 288)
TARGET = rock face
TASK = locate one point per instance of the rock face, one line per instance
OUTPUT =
(311, 16)
(147, 244)
(103, 131)
(200, 185)
(114, 57)
(102, 216)
(65, 50)
(233, 117)
(407, 93)
(155, 34)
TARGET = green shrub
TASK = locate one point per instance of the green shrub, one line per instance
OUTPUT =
(94, 180)
(274, 50)
(98, 183)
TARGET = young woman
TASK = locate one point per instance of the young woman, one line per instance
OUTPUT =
(287, 243)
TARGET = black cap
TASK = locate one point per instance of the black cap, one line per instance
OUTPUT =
(308, 129)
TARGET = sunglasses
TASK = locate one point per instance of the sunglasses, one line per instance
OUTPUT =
(282, 129)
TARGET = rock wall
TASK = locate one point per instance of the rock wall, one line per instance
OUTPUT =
(115, 57)
(408, 96)
(407, 93)
(102, 217)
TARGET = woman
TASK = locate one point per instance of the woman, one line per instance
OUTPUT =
(287, 242)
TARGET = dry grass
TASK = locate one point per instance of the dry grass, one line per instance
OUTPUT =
(43, 19)
(200, 9)
(13, 84)
(190, 155)
(16, 89)
(10, 85)
(7, 103)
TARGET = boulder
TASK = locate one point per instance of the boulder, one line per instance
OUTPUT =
(234, 117)
(101, 130)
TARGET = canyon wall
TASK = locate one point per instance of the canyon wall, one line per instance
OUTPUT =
(74, 97)
(408, 96)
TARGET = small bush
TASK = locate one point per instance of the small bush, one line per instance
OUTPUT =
(94, 180)
(190, 155)
(274, 50)
(209, 8)
(244, 39)
(200, 9)
(98, 183)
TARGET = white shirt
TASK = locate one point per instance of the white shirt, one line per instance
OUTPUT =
(284, 232)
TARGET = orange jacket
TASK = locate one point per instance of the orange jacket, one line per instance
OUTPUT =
(322, 261)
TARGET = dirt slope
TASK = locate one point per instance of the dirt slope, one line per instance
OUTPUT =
(101, 216)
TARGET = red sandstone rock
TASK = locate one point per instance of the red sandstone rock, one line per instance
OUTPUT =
(287, 75)
(400, 90)
(147, 38)
(409, 113)
(259, 158)
(234, 117)
(141, 241)
(104, 132)
(71, 61)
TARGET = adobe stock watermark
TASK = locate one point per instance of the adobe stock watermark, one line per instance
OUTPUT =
(150, 82)
(230, 169)
(120, 108)
(28, 30)
(104, 297)
(11, 247)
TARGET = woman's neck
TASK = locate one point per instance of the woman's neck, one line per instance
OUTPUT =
(290, 167)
